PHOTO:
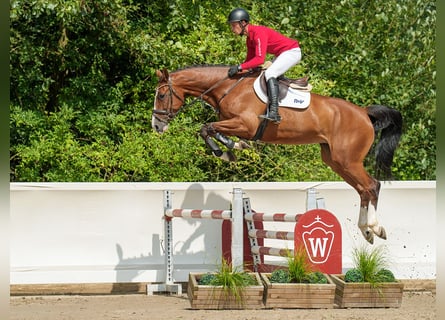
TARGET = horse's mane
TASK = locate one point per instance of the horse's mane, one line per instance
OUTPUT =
(202, 66)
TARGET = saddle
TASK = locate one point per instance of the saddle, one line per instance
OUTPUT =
(299, 84)
(284, 84)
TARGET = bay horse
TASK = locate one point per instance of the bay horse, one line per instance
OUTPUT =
(344, 131)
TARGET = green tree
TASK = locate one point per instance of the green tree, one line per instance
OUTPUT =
(83, 80)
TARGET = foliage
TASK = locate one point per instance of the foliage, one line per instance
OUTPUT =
(353, 275)
(299, 270)
(385, 275)
(298, 265)
(317, 277)
(83, 79)
(279, 276)
(233, 282)
(370, 265)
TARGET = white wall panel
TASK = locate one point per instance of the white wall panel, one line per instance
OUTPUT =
(114, 232)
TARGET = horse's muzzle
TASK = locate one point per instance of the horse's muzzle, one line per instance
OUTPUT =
(158, 125)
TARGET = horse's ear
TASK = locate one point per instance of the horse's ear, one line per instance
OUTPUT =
(162, 75)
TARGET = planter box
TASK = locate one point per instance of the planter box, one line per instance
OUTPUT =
(298, 295)
(214, 297)
(363, 295)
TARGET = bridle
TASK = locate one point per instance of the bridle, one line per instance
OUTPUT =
(169, 113)
(166, 115)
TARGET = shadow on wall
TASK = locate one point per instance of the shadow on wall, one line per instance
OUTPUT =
(204, 234)
(130, 268)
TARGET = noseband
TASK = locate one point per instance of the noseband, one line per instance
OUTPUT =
(166, 115)
(169, 114)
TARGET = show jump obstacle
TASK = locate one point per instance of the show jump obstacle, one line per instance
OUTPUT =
(317, 229)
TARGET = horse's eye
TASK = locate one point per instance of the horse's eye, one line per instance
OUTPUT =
(161, 96)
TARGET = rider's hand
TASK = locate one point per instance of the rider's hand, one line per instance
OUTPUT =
(234, 70)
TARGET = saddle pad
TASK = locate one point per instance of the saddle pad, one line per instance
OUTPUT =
(293, 99)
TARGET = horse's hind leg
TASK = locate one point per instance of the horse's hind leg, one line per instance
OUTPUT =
(367, 187)
(367, 222)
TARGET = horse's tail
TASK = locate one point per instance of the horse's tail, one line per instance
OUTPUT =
(389, 122)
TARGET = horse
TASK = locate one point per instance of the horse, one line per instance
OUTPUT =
(344, 131)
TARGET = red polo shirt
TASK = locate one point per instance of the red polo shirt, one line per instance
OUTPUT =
(262, 40)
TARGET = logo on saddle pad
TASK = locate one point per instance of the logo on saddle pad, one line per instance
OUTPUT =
(288, 97)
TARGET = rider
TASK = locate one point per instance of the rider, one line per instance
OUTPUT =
(260, 41)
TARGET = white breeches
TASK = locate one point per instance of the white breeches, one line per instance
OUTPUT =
(282, 63)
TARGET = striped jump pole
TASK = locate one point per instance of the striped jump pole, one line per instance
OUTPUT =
(259, 250)
(254, 234)
(318, 230)
(235, 215)
(268, 234)
(278, 217)
(199, 214)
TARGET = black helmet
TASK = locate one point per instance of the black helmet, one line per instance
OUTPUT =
(238, 14)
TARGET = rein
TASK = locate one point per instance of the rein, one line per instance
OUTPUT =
(171, 114)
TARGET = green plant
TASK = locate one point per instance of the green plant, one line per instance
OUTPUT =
(354, 275)
(206, 279)
(317, 277)
(233, 282)
(279, 276)
(299, 265)
(370, 265)
(385, 275)
(299, 270)
(83, 77)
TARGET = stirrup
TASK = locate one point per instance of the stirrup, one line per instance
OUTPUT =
(276, 119)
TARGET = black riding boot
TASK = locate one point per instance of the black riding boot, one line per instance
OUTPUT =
(272, 92)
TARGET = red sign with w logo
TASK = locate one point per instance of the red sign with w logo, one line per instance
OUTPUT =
(320, 233)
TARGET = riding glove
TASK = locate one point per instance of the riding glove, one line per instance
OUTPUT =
(234, 70)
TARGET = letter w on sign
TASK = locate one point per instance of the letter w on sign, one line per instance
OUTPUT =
(320, 232)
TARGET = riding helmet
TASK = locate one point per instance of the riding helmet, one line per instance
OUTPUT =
(238, 14)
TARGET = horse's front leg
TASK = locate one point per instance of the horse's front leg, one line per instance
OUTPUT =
(229, 143)
(209, 135)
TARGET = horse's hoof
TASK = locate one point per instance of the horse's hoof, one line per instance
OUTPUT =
(228, 156)
(382, 233)
(243, 145)
(370, 238)
(379, 231)
(368, 235)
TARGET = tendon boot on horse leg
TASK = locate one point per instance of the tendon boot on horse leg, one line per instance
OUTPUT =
(272, 93)
(229, 143)
(207, 133)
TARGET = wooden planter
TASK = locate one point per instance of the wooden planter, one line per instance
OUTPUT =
(363, 295)
(298, 295)
(214, 297)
